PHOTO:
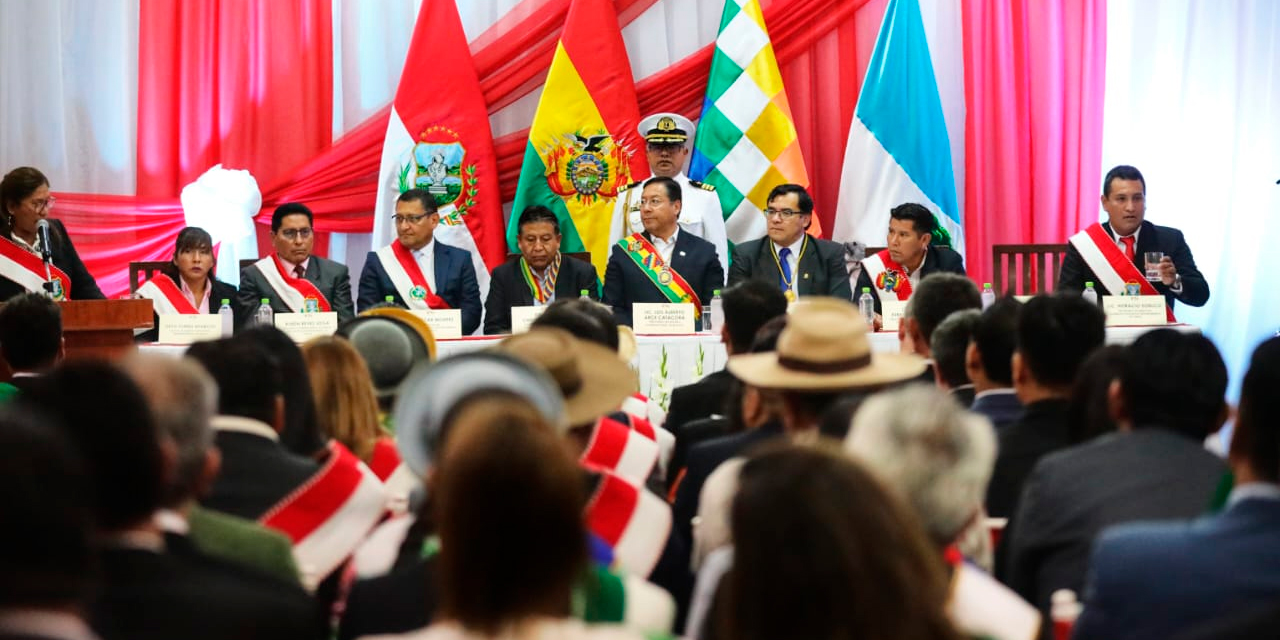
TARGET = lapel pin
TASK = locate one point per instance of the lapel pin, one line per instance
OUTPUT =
(806, 276)
(681, 253)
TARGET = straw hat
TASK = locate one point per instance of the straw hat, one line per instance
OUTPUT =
(824, 347)
(391, 341)
(591, 377)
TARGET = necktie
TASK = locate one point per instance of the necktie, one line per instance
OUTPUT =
(784, 255)
(298, 272)
(1128, 246)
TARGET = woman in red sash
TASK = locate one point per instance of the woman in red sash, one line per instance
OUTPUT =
(25, 200)
(187, 284)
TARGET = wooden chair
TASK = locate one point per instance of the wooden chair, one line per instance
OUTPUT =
(140, 272)
(1026, 269)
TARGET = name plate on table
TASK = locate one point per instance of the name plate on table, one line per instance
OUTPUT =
(446, 324)
(663, 319)
(891, 314)
(185, 328)
(1134, 311)
(523, 317)
(301, 327)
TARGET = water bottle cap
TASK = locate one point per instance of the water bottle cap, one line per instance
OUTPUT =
(266, 301)
(1088, 285)
(582, 292)
(715, 292)
(866, 289)
(226, 301)
(390, 298)
(986, 285)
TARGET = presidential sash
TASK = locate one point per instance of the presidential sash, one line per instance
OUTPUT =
(299, 294)
(330, 514)
(166, 297)
(542, 291)
(632, 521)
(27, 269)
(888, 277)
(671, 284)
(398, 480)
(1112, 268)
(406, 276)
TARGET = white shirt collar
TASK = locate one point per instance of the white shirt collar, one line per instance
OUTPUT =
(33, 248)
(240, 424)
(42, 623)
(653, 238)
(289, 267)
(1254, 490)
(171, 521)
(1133, 235)
(1002, 391)
(427, 250)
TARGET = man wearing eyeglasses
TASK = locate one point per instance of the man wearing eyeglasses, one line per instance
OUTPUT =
(418, 271)
(291, 278)
(799, 264)
(667, 136)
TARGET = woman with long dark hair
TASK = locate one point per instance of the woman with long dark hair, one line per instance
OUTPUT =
(24, 202)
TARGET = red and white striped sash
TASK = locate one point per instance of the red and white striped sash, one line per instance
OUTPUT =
(27, 269)
(293, 292)
(633, 521)
(622, 450)
(166, 297)
(1112, 268)
(407, 277)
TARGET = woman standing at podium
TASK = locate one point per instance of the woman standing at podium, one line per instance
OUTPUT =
(24, 202)
(187, 284)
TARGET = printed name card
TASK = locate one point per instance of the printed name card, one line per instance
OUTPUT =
(664, 319)
(891, 314)
(523, 317)
(446, 324)
(184, 328)
(1134, 311)
(301, 327)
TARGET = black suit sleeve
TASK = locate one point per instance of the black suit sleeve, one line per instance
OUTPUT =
(1195, 289)
(342, 293)
(615, 290)
(864, 282)
(370, 288)
(470, 296)
(952, 262)
(250, 293)
(497, 307)
(588, 280)
(838, 275)
(712, 279)
(740, 266)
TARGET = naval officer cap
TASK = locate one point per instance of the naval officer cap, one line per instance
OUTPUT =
(666, 128)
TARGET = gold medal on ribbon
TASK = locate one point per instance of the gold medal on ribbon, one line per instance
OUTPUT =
(664, 276)
(790, 295)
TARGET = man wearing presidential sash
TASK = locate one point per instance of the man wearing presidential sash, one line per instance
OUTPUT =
(910, 255)
(541, 274)
(800, 265)
(291, 278)
(418, 271)
(662, 263)
(1111, 255)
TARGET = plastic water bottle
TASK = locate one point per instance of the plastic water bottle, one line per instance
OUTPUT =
(988, 295)
(1089, 294)
(264, 316)
(707, 321)
(717, 309)
(583, 295)
(867, 306)
(227, 317)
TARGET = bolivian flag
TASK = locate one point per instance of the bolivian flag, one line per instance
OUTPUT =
(583, 146)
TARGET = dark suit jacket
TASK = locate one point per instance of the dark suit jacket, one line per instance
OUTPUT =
(65, 257)
(1145, 474)
(820, 271)
(1151, 580)
(403, 599)
(455, 283)
(703, 459)
(1167, 240)
(1002, 409)
(331, 278)
(937, 260)
(219, 291)
(698, 400)
(693, 258)
(1042, 429)
(507, 289)
(963, 395)
(256, 474)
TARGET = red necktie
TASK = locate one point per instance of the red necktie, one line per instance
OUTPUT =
(298, 272)
(1128, 246)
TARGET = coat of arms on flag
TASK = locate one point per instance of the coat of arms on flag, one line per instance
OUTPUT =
(436, 162)
(586, 167)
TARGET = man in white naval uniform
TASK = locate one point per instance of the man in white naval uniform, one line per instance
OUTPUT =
(668, 136)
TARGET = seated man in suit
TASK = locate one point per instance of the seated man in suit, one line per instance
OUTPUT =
(789, 258)
(540, 276)
(418, 271)
(896, 271)
(1154, 467)
(937, 297)
(291, 278)
(1111, 255)
(948, 346)
(662, 264)
(987, 363)
(1152, 580)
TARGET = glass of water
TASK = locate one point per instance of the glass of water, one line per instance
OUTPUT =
(1152, 259)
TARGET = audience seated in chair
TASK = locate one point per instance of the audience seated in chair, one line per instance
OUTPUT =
(948, 345)
(988, 363)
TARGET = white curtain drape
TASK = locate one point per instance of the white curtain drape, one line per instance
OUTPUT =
(1192, 97)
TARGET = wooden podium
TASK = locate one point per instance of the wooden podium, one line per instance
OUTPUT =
(102, 328)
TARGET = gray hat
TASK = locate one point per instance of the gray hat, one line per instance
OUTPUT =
(390, 348)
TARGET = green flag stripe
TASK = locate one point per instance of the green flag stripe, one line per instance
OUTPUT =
(532, 189)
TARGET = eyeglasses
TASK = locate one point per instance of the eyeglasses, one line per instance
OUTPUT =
(786, 214)
(409, 219)
(653, 202)
(41, 205)
(294, 234)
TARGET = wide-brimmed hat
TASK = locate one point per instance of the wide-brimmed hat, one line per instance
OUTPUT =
(391, 341)
(591, 377)
(824, 347)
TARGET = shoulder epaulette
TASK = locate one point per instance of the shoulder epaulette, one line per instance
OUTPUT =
(702, 185)
(633, 185)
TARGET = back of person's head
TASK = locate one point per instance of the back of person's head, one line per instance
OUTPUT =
(1088, 415)
(46, 548)
(508, 499)
(1174, 381)
(30, 332)
(1055, 335)
(940, 295)
(994, 338)
(106, 418)
(250, 384)
(183, 398)
(585, 319)
(748, 305)
(301, 433)
(1257, 433)
(919, 441)
(950, 343)
(835, 422)
(346, 406)
(857, 564)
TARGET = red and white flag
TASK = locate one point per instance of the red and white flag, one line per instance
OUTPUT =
(166, 297)
(623, 450)
(634, 522)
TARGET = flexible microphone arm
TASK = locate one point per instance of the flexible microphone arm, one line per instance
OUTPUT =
(42, 228)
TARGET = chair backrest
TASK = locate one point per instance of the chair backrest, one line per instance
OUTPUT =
(1026, 269)
(140, 272)
(248, 262)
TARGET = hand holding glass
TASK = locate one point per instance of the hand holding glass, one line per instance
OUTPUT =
(1152, 260)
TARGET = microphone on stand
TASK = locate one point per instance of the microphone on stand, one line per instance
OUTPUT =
(42, 230)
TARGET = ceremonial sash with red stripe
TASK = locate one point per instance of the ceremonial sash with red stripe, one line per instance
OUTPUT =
(406, 276)
(633, 521)
(166, 297)
(328, 516)
(671, 284)
(27, 269)
(888, 277)
(294, 292)
(619, 448)
(1113, 269)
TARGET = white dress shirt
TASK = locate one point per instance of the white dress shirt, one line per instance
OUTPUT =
(426, 257)
(665, 247)
(793, 260)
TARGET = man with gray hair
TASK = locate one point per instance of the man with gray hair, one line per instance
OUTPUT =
(938, 457)
(949, 344)
(183, 398)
